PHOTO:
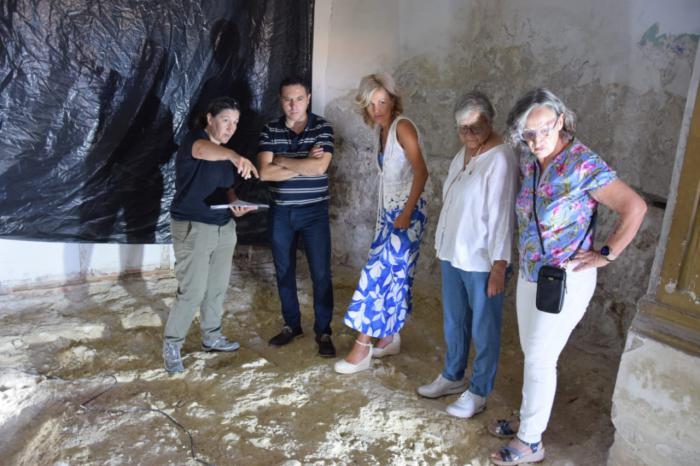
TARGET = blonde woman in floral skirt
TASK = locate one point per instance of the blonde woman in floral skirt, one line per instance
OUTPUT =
(382, 300)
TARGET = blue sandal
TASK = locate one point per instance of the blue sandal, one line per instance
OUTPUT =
(502, 429)
(511, 456)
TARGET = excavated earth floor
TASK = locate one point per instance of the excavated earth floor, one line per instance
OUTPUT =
(82, 383)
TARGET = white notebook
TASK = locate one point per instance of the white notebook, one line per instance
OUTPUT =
(239, 203)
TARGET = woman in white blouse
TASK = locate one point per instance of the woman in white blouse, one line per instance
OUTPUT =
(473, 243)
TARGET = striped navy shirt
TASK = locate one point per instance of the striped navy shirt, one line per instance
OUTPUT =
(282, 141)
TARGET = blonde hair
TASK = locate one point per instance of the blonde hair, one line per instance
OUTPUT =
(371, 83)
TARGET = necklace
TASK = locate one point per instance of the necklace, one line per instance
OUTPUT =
(471, 159)
(464, 168)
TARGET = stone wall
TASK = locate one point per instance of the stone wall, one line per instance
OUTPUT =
(624, 69)
(656, 402)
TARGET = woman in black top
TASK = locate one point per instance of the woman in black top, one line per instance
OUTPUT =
(204, 238)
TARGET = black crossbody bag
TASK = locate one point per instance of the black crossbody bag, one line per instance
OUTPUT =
(551, 280)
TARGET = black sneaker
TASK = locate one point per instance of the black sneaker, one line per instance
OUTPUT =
(285, 336)
(325, 346)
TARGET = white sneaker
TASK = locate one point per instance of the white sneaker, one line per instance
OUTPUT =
(467, 405)
(344, 367)
(392, 348)
(441, 387)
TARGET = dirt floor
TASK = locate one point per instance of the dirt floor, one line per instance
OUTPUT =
(82, 383)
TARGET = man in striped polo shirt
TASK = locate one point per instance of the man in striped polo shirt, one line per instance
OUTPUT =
(294, 154)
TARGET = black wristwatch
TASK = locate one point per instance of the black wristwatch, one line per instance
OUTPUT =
(607, 254)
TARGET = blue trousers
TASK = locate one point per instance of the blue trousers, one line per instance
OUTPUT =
(287, 225)
(469, 314)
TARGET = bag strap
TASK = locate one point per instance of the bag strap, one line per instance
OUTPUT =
(591, 225)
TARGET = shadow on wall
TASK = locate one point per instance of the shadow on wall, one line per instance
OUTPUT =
(226, 76)
(123, 171)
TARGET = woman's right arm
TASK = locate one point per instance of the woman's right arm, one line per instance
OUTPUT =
(500, 202)
(207, 150)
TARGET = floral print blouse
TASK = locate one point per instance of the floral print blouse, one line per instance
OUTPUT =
(564, 206)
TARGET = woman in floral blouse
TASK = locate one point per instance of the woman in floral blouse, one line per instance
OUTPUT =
(571, 180)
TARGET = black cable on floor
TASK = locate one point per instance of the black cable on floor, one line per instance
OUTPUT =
(137, 409)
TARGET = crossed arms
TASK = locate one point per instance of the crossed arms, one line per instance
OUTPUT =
(278, 168)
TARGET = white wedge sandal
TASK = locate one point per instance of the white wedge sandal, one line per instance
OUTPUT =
(344, 367)
(389, 350)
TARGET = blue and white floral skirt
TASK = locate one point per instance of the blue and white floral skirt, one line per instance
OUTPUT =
(382, 300)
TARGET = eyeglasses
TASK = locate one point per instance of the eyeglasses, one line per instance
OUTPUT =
(475, 130)
(531, 134)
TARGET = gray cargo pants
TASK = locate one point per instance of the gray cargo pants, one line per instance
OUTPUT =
(203, 259)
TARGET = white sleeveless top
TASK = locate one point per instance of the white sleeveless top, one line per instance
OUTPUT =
(396, 172)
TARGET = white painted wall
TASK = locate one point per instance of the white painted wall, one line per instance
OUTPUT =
(24, 263)
(655, 405)
(351, 39)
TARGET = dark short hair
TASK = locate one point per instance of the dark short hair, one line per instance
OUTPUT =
(295, 81)
(217, 106)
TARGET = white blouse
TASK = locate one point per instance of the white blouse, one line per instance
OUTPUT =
(478, 210)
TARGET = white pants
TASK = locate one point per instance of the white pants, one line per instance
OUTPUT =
(542, 339)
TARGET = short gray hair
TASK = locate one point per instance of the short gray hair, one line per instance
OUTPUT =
(475, 101)
(539, 97)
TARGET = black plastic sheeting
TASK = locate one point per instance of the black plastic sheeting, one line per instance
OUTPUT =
(96, 94)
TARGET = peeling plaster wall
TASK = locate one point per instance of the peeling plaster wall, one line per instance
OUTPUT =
(657, 386)
(351, 39)
(612, 62)
(623, 67)
(656, 402)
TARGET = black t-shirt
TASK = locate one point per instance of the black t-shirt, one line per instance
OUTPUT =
(200, 184)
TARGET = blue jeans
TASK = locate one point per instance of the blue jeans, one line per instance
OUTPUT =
(470, 314)
(310, 223)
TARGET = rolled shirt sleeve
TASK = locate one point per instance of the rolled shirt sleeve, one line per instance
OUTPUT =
(500, 200)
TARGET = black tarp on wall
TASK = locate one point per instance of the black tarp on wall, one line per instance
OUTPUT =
(96, 94)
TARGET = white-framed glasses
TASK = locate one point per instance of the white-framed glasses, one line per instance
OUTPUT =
(529, 135)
